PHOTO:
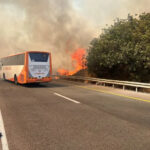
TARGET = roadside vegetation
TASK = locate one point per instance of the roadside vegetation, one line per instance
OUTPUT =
(122, 51)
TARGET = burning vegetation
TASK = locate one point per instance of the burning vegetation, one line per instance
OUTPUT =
(78, 63)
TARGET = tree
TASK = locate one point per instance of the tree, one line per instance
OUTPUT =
(122, 51)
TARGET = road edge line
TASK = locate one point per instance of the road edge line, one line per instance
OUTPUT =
(2, 130)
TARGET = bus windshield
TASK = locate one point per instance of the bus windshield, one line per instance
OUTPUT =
(39, 57)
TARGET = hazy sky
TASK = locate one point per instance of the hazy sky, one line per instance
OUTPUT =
(102, 12)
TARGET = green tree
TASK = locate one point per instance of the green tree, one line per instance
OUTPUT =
(122, 51)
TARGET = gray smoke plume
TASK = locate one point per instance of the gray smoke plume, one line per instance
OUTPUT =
(105, 12)
(44, 25)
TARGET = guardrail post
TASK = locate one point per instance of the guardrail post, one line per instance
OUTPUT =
(123, 87)
(136, 89)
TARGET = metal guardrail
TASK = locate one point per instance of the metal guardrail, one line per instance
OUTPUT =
(98, 81)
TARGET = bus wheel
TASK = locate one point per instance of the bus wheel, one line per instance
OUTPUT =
(15, 80)
(4, 77)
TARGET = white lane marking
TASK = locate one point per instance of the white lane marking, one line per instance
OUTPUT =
(2, 131)
(67, 98)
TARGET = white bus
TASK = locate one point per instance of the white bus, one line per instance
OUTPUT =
(27, 67)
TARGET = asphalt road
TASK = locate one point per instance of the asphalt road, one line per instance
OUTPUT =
(62, 116)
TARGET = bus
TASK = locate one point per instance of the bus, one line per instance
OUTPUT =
(27, 67)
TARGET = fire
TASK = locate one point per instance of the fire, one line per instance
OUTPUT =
(78, 62)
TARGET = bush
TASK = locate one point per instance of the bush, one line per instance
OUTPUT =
(123, 50)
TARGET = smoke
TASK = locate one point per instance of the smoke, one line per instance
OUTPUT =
(44, 25)
(105, 12)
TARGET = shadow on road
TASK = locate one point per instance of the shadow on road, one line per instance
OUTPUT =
(52, 84)
(44, 85)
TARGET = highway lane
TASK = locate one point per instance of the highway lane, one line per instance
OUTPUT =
(35, 118)
(124, 108)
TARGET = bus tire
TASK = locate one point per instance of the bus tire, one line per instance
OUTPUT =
(4, 78)
(15, 80)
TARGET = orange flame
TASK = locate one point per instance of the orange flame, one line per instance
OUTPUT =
(78, 63)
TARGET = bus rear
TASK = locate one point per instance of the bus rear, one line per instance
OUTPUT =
(39, 68)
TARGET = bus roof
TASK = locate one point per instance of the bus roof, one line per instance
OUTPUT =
(25, 52)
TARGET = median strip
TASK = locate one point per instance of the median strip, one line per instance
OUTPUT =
(67, 98)
(3, 134)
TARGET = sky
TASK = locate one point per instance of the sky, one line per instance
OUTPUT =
(100, 12)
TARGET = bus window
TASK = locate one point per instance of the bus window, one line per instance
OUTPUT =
(39, 57)
(14, 60)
